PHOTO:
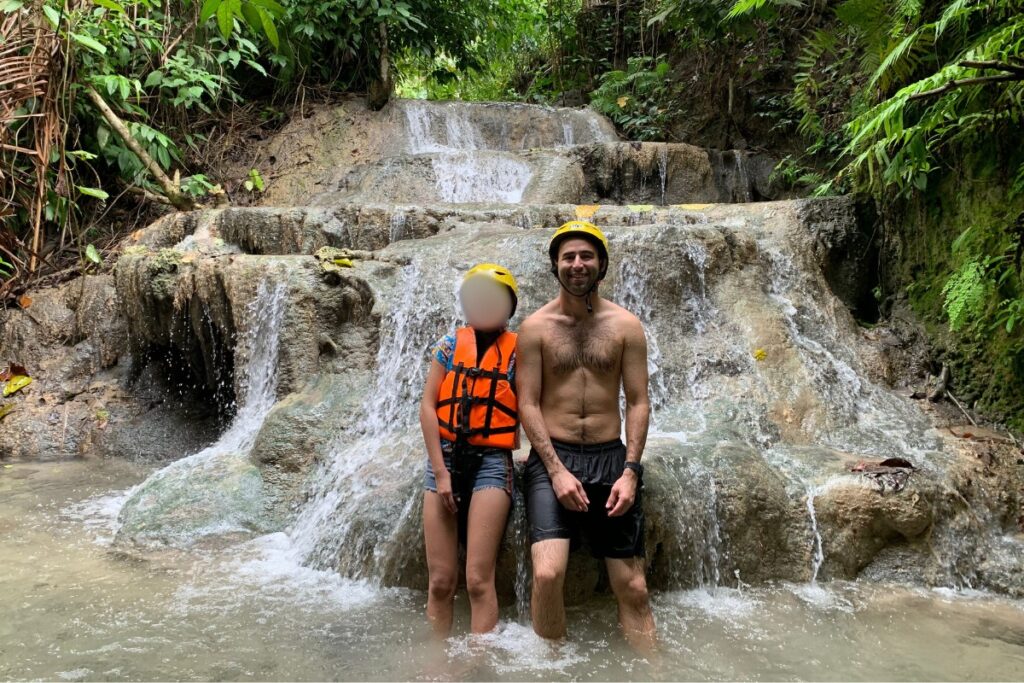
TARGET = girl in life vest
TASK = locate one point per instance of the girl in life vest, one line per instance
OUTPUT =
(470, 426)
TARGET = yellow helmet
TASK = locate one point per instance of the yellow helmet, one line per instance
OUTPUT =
(583, 230)
(499, 274)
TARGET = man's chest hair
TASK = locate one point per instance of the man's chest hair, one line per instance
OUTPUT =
(590, 345)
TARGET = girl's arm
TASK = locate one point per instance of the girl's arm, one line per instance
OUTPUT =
(432, 435)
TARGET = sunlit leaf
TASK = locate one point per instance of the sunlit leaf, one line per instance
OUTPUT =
(92, 254)
(16, 383)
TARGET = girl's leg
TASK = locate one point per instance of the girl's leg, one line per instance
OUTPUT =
(442, 542)
(488, 512)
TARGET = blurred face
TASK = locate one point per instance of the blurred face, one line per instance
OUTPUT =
(579, 266)
(486, 304)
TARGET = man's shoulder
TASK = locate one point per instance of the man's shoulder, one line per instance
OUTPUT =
(621, 316)
(537, 321)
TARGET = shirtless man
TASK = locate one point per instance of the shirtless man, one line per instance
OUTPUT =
(573, 356)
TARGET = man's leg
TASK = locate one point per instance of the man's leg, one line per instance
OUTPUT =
(440, 535)
(547, 604)
(488, 512)
(630, 587)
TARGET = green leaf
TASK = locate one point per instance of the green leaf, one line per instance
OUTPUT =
(102, 136)
(252, 18)
(93, 192)
(89, 42)
(256, 179)
(225, 19)
(269, 28)
(52, 15)
(11, 5)
(154, 78)
(93, 255)
(110, 4)
(270, 5)
(209, 9)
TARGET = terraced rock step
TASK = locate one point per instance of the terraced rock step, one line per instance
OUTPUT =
(619, 172)
(304, 230)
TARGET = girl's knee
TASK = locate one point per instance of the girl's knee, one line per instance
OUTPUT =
(442, 585)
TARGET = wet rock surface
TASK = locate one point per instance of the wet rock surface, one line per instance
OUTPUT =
(85, 398)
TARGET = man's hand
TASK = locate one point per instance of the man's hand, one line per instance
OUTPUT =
(444, 489)
(623, 494)
(570, 491)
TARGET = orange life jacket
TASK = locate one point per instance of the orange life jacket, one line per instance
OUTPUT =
(481, 391)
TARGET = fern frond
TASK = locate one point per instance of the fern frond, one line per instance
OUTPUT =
(957, 11)
(743, 7)
(903, 59)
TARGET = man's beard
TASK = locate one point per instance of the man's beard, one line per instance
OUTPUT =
(580, 286)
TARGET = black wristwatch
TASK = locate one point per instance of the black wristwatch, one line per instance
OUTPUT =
(636, 467)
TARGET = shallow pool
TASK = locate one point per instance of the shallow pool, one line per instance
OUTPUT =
(75, 608)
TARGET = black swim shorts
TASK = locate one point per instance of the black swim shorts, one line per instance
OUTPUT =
(597, 466)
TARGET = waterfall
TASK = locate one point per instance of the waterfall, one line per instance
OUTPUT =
(663, 169)
(743, 177)
(461, 173)
(199, 510)
(817, 551)
(463, 177)
(346, 523)
(631, 293)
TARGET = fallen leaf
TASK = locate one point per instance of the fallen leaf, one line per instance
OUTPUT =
(343, 262)
(16, 383)
(137, 235)
(586, 210)
(7, 467)
(641, 208)
(692, 207)
(24, 301)
(622, 101)
(6, 408)
(760, 354)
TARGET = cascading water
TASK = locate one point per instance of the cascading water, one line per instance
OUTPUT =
(743, 177)
(173, 505)
(663, 170)
(346, 524)
(817, 551)
(631, 294)
(461, 174)
(463, 177)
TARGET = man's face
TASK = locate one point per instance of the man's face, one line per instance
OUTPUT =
(579, 266)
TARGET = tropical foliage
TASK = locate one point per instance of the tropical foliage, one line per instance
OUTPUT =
(105, 102)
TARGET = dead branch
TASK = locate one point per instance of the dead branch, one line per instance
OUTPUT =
(180, 201)
(954, 84)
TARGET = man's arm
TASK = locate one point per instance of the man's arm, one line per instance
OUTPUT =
(635, 385)
(638, 414)
(529, 381)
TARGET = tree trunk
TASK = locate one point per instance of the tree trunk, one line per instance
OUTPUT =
(381, 88)
(174, 195)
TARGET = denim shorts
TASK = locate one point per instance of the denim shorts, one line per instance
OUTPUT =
(495, 471)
